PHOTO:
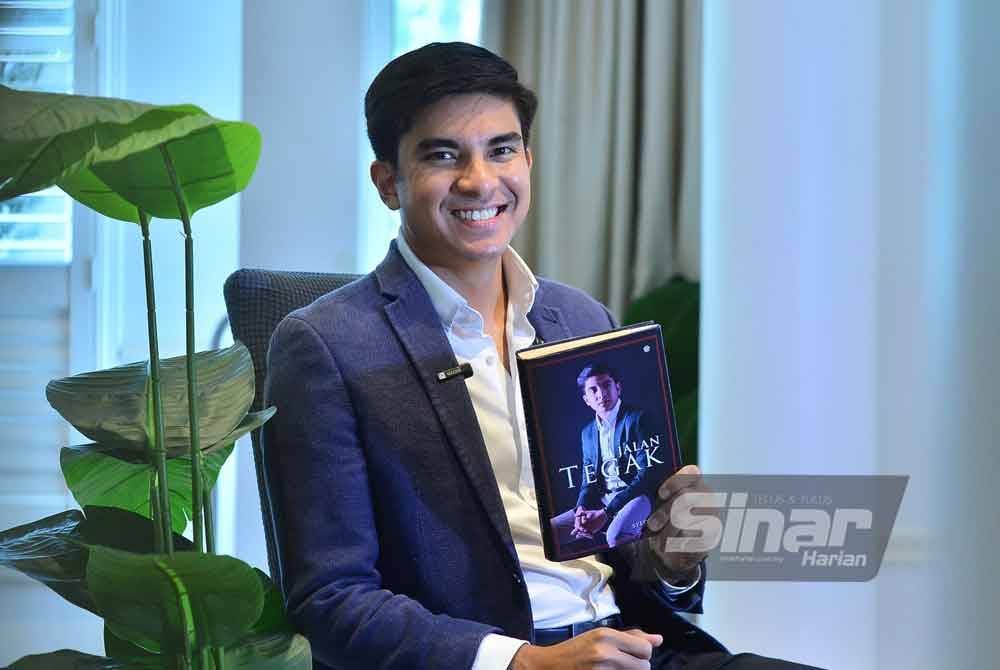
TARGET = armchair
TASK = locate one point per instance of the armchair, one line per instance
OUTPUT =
(257, 300)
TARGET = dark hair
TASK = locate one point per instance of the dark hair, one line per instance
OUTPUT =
(593, 370)
(417, 79)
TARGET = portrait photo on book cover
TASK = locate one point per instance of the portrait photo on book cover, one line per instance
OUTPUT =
(607, 442)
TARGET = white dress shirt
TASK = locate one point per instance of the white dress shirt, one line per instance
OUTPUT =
(560, 593)
(606, 440)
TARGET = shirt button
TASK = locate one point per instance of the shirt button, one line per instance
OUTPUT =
(491, 360)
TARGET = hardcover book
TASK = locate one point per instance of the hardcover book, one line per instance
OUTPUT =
(601, 435)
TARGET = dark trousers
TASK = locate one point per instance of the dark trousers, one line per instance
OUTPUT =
(719, 660)
(685, 647)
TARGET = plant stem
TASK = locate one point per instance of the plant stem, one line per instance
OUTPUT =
(159, 450)
(209, 523)
(218, 653)
(197, 498)
(155, 514)
(189, 634)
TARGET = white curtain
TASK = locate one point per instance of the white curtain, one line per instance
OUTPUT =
(616, 141)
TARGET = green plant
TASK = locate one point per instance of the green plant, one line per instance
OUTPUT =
(161, 429)
(676, 307)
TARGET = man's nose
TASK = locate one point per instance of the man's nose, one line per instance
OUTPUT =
(476, 179)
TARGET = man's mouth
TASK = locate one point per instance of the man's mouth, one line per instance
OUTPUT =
(476, 215)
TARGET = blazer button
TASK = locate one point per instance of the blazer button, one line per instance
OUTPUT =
(518, 579)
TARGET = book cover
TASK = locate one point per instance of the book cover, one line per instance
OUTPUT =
(601, 435)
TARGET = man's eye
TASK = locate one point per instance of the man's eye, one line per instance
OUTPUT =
(504, 151)
(440, 156)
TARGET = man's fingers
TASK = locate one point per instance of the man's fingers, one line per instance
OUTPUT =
(657, 521)
(635, 643)
(686, 477)
(653, 638)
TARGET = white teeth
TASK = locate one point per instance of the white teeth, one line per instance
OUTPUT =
(476, 214)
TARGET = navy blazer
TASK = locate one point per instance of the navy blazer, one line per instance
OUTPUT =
(629, 428)
(394, 545)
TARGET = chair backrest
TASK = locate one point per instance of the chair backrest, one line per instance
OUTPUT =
(257, 300)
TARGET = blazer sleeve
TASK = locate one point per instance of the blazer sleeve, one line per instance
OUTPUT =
(329, 544)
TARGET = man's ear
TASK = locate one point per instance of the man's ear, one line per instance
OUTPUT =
(384, 177)
(528, 156)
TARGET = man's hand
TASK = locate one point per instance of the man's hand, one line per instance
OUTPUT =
(586, 522)
(599, 648)
(677, 566)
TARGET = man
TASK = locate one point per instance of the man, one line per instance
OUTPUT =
(403, 498)
(617, 487)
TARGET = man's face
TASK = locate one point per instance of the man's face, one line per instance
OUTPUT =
(601, 393)
(462, 183)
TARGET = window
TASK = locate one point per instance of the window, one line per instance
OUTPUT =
(36, 54)
(419, 22)
(414, 23)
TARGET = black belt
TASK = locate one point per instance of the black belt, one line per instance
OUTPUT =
(549, 636)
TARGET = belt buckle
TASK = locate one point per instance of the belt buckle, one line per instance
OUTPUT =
(584, 626)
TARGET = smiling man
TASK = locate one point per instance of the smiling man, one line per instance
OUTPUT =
(408, 531)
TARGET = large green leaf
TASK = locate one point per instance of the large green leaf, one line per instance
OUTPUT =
(111, 406)
(204, 599)
(211, 164)
(53, 550)
(118, 647)
(273, 651)
(686, 414)
(121, 529)
(112, 477)
(250, 422)
(66, 659)
(86, 187)
(46, 137)
(270, 643)
(277, 651)
(676, 307)
(272, 617)
(49, 550)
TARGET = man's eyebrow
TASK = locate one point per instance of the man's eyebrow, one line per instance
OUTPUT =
(505, 138)
(435, 143)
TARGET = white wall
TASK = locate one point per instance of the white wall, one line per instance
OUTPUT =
(850, 306)
(906, 401)
(169, 57)
(964, 275)
(789, 287)
(302, 72)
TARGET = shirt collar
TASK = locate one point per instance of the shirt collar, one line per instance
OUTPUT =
(521, 284)
(612, 416)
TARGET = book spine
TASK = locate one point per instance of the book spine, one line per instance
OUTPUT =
(542, 493)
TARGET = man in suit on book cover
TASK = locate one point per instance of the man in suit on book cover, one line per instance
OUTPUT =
(619, 474)
(403, 499)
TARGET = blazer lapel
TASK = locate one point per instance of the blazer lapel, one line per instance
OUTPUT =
(548, 323)
(622, 419)
(418, 328)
